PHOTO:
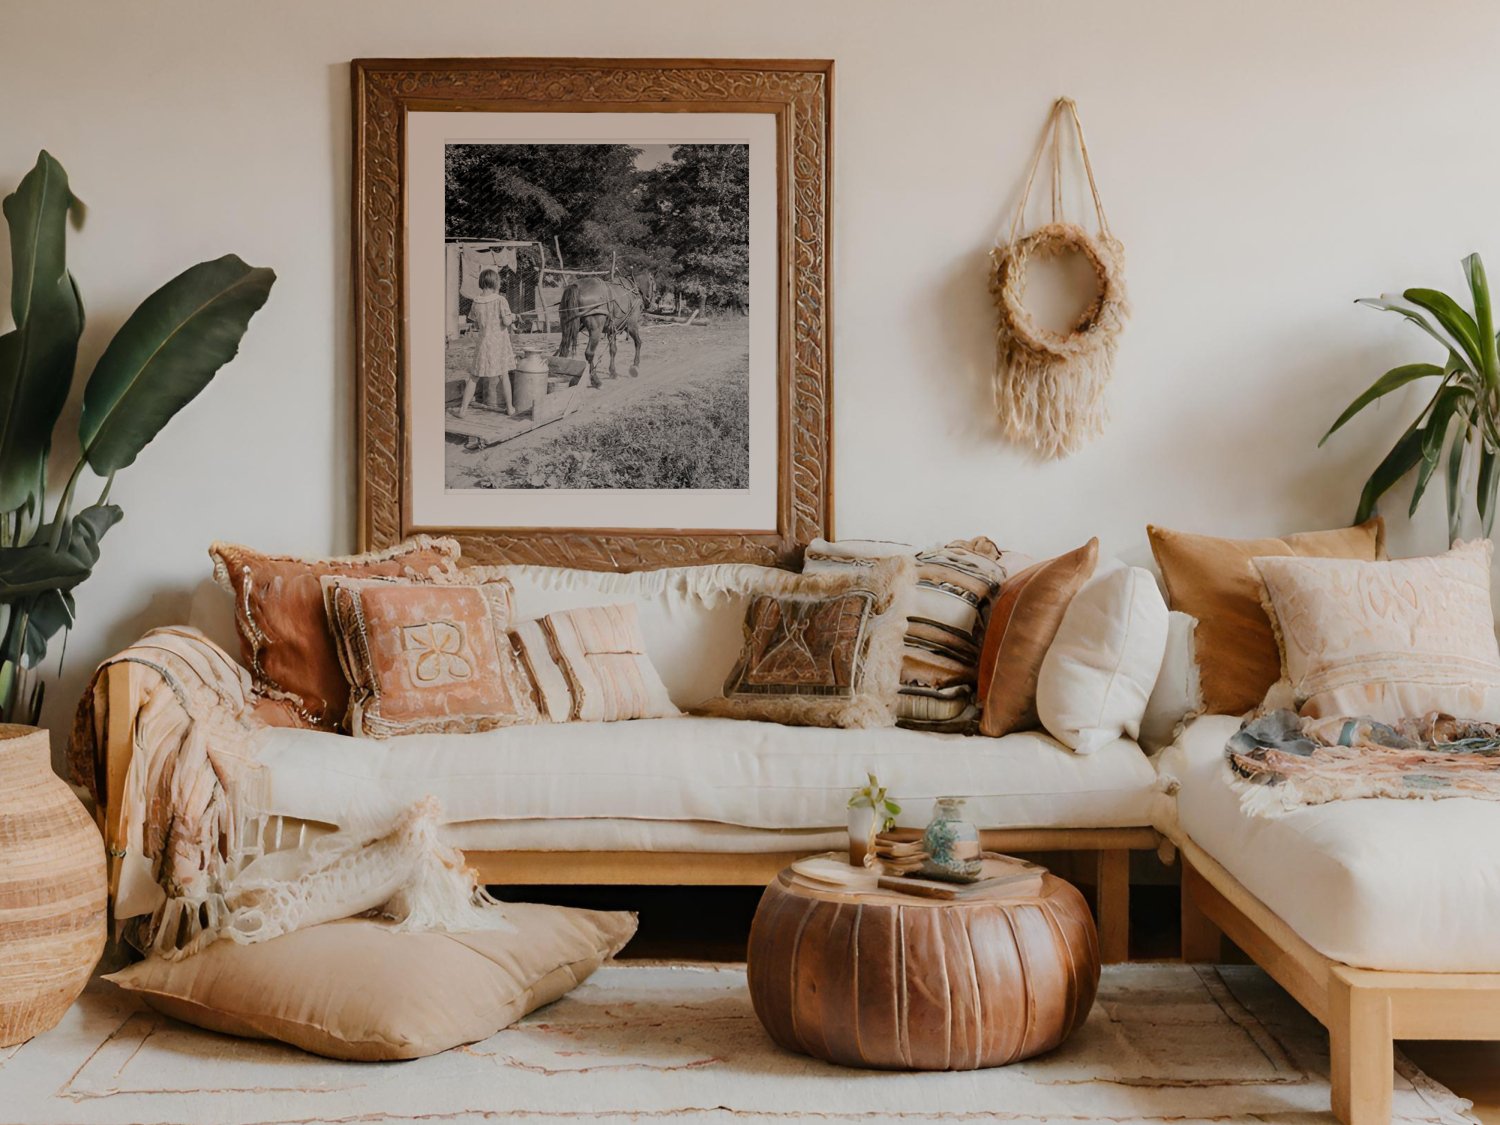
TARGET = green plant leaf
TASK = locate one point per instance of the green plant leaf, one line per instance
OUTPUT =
(1445, 405)
(168, 351)
(1454, 319)
(37, 356)
(35, 568)
(1488, 480)
(1402, 458)
(1391, 302)
(1484, 317)
(1392, 380)
(1455, 475)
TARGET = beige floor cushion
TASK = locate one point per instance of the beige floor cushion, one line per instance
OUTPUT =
(358, 990)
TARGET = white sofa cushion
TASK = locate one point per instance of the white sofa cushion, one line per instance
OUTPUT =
(1101, 665)
(730, 771)
(1378, 884)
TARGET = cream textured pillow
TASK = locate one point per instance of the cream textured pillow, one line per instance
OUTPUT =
(590, 665)
(1099, 671)
(1390, 640)
(356, 990)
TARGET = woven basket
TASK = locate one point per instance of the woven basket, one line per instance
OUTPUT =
(52, 889)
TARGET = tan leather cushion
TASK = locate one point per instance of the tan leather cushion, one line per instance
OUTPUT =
(356, 990)
(1022, 624)
(426, 656)
(278, 611)
(1214, 580)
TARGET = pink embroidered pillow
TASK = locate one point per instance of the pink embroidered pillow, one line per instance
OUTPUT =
(427, 657)
(1390, 640)
(590, 665)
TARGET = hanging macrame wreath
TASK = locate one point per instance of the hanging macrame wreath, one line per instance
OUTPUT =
(1049, 386)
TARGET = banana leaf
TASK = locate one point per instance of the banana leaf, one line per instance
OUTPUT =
(166, 353)
(35, 568)
(1394, 379)
(1455, 475)
(37, 356)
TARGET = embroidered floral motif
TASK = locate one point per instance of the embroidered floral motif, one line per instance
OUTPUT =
(436, 652)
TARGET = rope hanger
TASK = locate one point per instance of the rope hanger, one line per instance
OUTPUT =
(1049, 386)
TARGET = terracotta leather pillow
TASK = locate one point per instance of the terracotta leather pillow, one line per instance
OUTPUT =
(427, 657)
(285, 640)
(1215, 581)
(1023, 622)
(358, 990)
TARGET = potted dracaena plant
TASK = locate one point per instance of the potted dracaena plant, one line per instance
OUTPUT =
(1458, 426)
(162, 356)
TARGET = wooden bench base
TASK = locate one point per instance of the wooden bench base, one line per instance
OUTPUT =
(1364, 1010)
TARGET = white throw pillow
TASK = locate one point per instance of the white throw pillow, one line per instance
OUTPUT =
(1098, 674)
(1178, 694)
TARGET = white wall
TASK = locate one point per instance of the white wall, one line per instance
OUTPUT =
(1264, 164)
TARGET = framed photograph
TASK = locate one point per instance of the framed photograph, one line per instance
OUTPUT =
(592, 307)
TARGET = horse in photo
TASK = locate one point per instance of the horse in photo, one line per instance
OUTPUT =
(604, 308)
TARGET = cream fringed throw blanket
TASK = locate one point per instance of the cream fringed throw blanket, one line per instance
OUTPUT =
(1280, 761)
(191, 843)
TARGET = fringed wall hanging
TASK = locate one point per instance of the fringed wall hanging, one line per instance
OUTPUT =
(1049, 386)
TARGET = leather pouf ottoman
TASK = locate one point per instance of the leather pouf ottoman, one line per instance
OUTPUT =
(889, 980)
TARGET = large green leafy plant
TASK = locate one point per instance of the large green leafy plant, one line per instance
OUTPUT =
(163, 355)
(1457, 427)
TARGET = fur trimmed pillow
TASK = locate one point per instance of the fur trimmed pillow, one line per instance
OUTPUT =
(823, 649)
(285, 639)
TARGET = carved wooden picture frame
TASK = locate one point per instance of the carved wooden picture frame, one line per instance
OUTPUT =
(389, 97)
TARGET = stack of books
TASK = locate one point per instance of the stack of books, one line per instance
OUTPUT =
(899, 857)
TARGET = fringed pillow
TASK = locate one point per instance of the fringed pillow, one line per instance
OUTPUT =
(284, 634)
(427, 657)
(823, 649)
(955, 586)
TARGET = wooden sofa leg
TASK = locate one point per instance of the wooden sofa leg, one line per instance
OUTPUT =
(1361, 1052)
(1112, 886)
(1202, 941)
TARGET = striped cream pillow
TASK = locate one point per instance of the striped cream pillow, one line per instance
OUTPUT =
(590, 665)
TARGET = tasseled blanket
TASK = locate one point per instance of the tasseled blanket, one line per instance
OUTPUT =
(1280, 761)
(190, 841)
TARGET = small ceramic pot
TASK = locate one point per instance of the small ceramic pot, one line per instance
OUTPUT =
(951, 843)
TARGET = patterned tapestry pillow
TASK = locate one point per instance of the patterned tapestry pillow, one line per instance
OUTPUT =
(1386, 640)
(823, 649)
(956, 584)
(590, 665)
(284, 634)
(426, 657)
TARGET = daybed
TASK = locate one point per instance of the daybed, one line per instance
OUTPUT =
(1378, 915)
(671, 801)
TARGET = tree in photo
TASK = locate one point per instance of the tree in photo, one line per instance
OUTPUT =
(699, 203)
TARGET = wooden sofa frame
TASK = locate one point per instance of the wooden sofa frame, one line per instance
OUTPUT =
(1364, 1010)
(1111, 846)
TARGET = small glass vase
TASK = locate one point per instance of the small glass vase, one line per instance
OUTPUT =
(951, 843)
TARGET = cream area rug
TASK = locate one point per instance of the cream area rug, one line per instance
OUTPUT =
(646, 1042)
